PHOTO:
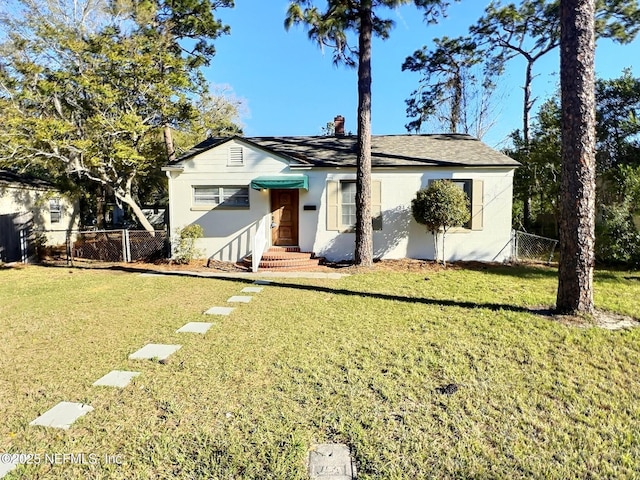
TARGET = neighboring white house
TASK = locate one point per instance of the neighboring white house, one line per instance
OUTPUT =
(304, 189)
(29, 206)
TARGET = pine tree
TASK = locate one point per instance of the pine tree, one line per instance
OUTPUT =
(330, 28)
(578, 187)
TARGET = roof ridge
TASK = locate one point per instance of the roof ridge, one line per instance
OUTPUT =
(406, 150)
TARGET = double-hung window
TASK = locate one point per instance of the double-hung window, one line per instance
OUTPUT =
(55, 210)
(474, 190)
(465, 186)
(348, 203)
(341, 205)
(221, 196)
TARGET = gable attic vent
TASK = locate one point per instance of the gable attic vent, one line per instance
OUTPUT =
(236, 156)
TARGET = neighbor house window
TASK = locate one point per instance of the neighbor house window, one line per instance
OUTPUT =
(474, 189)
(226, 196)
(341, 205)
(236, 156)
(55, 210)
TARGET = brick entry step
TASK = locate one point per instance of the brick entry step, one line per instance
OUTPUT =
(285, 258)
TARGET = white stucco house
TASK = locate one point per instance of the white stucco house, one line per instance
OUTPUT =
(303, 189)
(30, 206)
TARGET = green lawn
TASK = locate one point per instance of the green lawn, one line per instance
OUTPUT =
(357, 360)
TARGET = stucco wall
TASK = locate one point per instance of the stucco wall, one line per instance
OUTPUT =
(401, 236)
(228, 232)
(23, 199)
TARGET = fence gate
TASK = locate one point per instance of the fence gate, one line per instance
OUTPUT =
(533, 247)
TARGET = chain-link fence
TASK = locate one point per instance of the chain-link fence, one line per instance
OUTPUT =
(140, 245)
(117, 245)
(528, 247)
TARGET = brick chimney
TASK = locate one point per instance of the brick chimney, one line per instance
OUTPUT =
(338, 126)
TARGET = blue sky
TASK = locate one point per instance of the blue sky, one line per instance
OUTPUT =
(291, 87)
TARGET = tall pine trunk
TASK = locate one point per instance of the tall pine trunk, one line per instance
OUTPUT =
(577, 194)
(364, 229)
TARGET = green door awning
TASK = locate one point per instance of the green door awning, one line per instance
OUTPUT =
(280, 182)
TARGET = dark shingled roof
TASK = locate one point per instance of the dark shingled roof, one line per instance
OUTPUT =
(441, 150)
(8, 177)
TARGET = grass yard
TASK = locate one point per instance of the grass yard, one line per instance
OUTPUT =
(358, 360)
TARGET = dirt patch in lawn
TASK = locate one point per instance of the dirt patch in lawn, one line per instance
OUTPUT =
(600, 318)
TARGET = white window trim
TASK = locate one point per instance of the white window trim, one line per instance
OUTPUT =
(219, 198)
(55, 208)
(334, 206)
(346, 226)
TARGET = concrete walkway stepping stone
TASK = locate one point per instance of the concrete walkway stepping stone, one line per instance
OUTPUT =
(252, 289)
(116, 378)
(195, 327)
(6, 465)
(219, 311)
(62, 415)
(239, 299)
(331, 461)
(154, 350)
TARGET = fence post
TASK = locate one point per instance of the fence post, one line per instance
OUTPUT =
(124, 245)
(553, 249)
(24, 255)
(69, 250)
(128, 243)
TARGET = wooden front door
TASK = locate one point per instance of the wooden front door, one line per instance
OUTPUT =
(284, 217)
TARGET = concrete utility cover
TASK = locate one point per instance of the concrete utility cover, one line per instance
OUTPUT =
(116, 378)
(195, 327)
(252, 289)
(331, 461)
(62, 415)
(6, 467)
(219, 311)
(154, 350)
(239, 299)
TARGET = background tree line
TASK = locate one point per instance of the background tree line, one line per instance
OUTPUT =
(460, 78)
(617, 169)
